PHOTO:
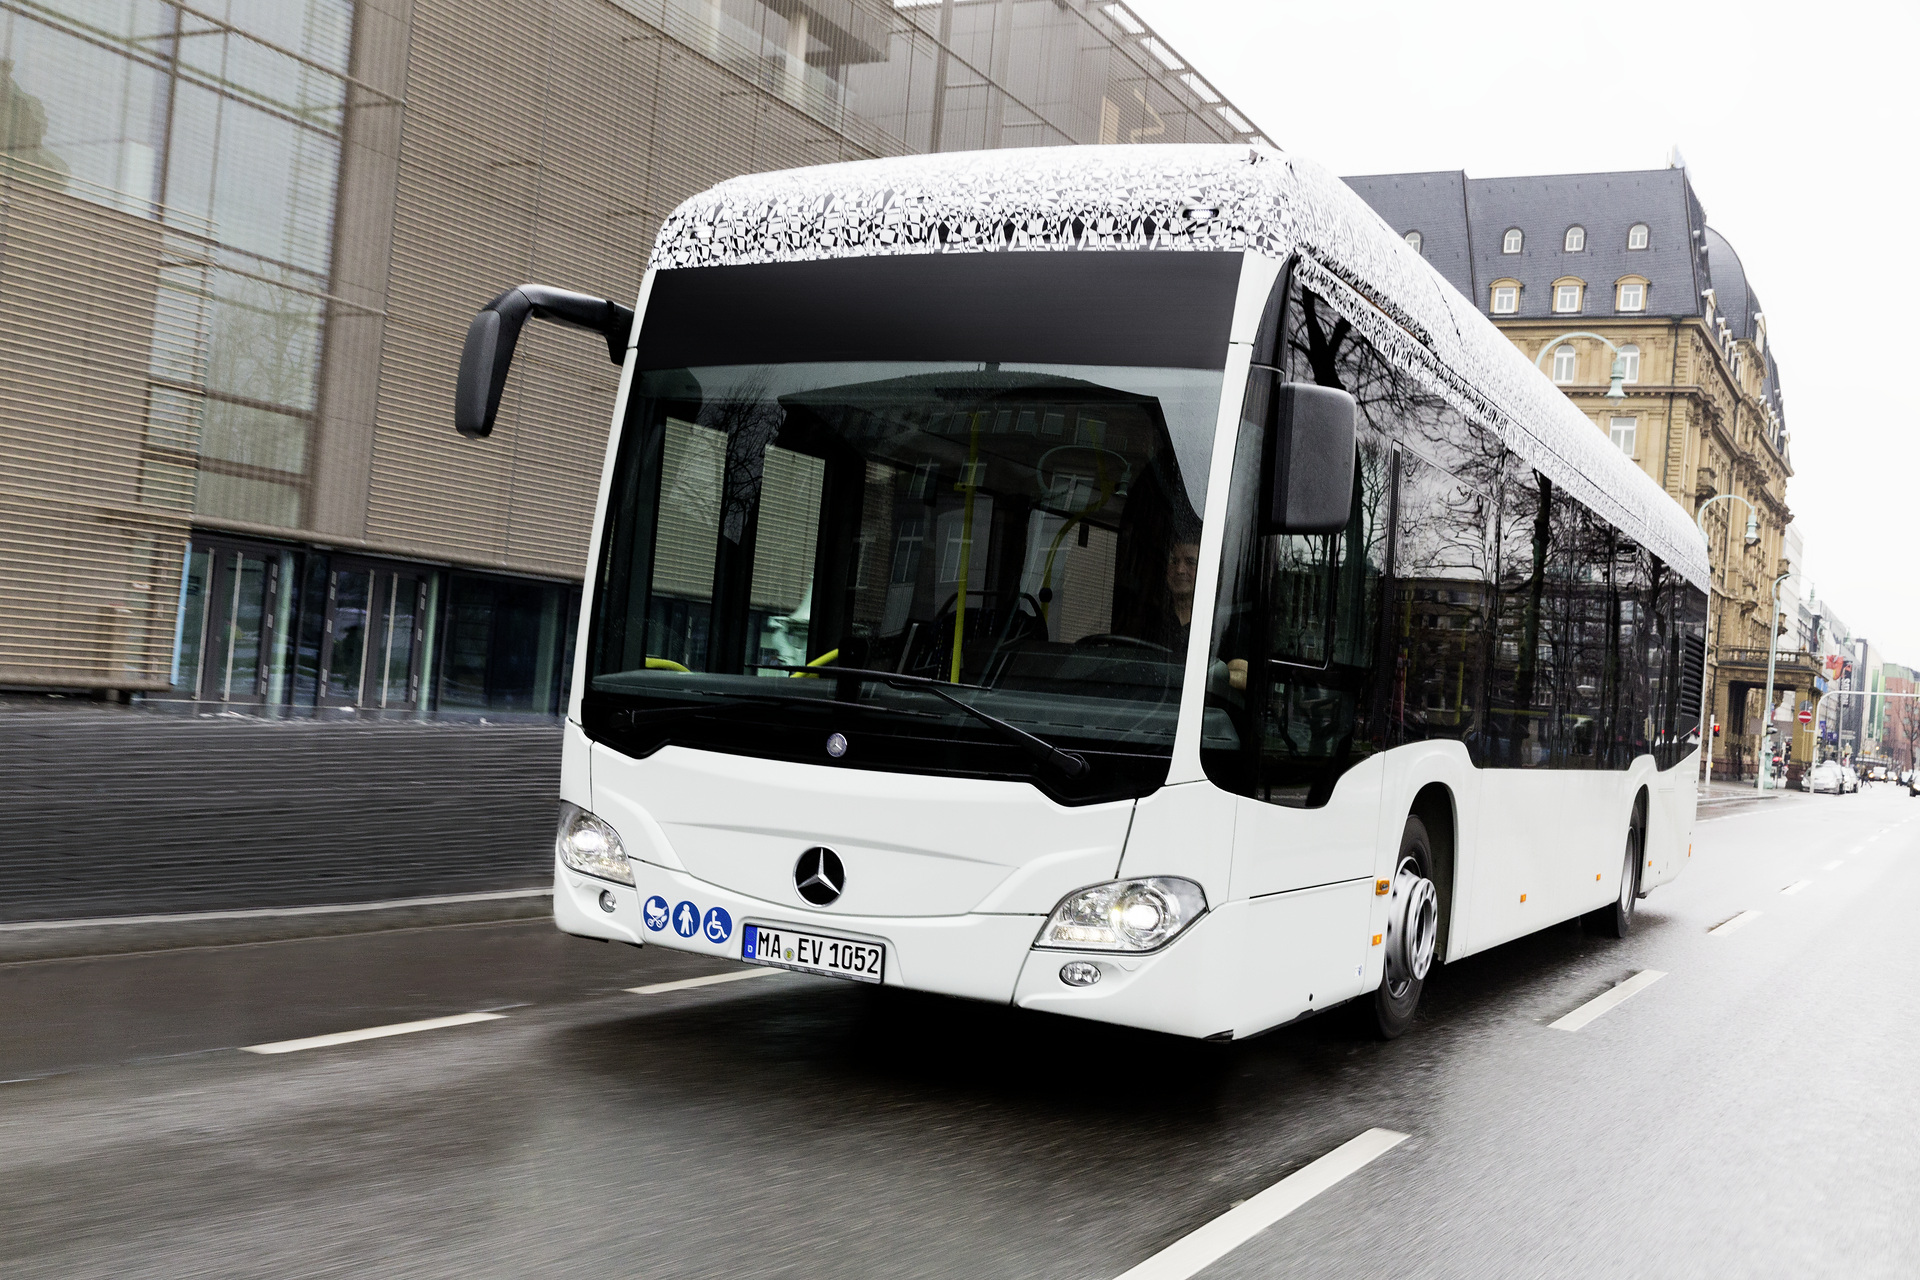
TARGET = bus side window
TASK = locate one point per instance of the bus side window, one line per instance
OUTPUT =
(1440, 603)
(1521, 674)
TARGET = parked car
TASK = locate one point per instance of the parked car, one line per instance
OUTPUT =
(1853, 779)
(1828, 775)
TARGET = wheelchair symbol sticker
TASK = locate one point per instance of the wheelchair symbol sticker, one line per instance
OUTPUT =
(655, 912)
(718, 925)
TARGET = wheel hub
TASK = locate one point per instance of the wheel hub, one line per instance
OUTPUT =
(1413, 924)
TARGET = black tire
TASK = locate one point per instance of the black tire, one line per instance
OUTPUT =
(1390, 1012)
(1616, 919)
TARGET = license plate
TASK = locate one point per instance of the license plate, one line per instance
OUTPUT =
(785, 948)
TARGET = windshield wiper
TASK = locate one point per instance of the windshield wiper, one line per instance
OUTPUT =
(1070, 763)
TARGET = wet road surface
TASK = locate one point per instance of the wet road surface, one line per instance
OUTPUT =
(1754, 1110)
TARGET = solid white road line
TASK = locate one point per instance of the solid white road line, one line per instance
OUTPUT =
(688, 984)
(1796, 886)
(1740, 921)
(1607, 999)
(1832, 866)
(1191, 1253)
(370, 1033)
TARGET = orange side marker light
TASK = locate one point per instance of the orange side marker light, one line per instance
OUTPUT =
(1380, 888)
(1523, 897)
(1376, 939)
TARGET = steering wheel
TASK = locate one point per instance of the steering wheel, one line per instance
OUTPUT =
(1122, 642)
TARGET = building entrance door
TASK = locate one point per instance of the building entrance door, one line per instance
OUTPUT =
(372, 640)
(233, 626)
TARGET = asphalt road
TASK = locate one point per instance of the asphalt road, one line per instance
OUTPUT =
(1753, 1112)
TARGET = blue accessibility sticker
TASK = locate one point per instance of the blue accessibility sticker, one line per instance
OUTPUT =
(654, 911)
(717, 925)
(686, 919)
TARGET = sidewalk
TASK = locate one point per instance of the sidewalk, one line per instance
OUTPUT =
(1722, 795)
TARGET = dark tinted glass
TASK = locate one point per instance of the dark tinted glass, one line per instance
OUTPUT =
(1441, 594)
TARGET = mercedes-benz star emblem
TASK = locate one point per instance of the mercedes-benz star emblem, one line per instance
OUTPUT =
(836, 745)
(819, 876)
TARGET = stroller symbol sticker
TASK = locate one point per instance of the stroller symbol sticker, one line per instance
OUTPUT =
(655, 912)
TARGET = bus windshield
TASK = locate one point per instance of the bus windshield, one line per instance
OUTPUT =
(1026, 535)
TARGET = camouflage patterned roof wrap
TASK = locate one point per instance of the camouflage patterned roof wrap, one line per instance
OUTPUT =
(1172, 198)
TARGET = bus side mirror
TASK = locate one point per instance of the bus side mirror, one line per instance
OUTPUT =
(487, 357)
(1311, 453)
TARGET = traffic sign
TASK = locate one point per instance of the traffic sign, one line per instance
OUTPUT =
(1806, 717)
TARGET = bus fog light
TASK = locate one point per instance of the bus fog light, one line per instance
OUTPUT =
(1124, 915)
(1079, 973)
(606, 901)
(590, 845)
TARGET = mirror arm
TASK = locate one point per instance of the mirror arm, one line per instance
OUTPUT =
(487, 356)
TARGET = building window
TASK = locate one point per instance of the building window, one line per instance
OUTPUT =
(1413, 238)
(1565, 361)
(1630, 357)
(1637, 236)
(1566, 297)
(1511, 242)
(1633, 296)
(1576, 239)
(1621, 431)
(1506, 299)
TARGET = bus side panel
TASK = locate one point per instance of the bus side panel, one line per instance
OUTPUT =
(1278, 848)
(1534, 867)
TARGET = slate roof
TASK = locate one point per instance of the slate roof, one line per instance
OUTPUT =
(1607, 205)
(1435, 205)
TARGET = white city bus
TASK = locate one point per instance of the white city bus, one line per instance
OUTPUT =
(1120, 581)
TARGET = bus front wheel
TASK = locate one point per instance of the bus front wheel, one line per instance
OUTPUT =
(1413, 927)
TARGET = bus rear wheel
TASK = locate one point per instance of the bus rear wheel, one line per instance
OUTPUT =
(1413, 927)
(1615, 920)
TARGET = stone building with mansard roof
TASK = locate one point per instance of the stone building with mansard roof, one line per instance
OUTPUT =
(1581, 270)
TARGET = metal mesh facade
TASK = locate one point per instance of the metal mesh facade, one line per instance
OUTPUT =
(240, 246)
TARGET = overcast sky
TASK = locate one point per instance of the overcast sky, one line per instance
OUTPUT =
(1797, 124)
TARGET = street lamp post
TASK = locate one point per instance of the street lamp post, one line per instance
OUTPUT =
(1765, 762)
(1706, 687)
(1616, 388)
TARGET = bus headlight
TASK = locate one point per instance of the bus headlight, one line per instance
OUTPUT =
(591, 846)
(1124, 915)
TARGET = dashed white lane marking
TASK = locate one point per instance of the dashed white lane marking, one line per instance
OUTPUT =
(1834, 865)
(1197, 1250)
(688, 984)
(1740, 921)
(1608, 999)
(1796, 886)
(370, 1033)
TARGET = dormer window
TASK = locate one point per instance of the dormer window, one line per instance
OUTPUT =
(1637, 236)
(1510, 243)
(1566, 295)
(1630, 294)
(1576, 239)
(1414, 240)
(1506, 297)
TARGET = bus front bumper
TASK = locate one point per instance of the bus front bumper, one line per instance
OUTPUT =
(978, 956)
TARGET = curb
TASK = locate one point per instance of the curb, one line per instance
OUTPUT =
(120, 935)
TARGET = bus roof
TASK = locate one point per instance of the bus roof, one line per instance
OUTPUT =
(1225, 197)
